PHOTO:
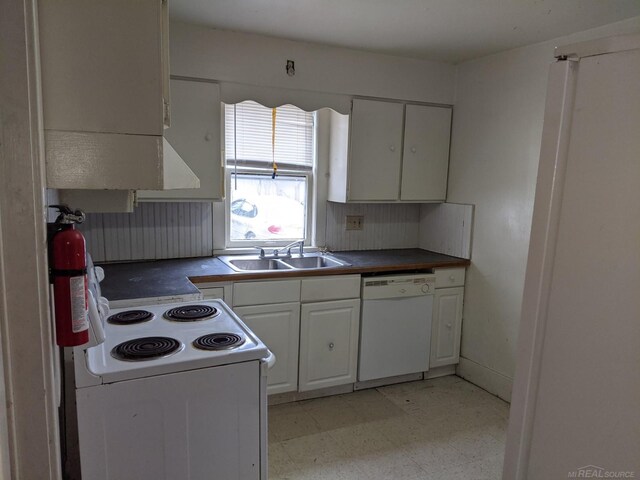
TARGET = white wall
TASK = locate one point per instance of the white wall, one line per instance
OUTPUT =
(496, 136)
(259, 60)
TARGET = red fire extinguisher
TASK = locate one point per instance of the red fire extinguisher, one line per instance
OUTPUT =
(69, 277)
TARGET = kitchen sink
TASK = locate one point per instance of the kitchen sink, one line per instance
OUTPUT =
(257, 264)
(312, 262)
(253, 263)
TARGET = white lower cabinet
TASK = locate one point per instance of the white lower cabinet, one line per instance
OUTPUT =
(328, 344)
(278, 326)
(446, 326)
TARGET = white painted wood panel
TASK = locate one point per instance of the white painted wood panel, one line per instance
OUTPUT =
(278, 326)
(153, 231)
(425, 157)
(449, 277)
(328, 344)
(101, 60)
(335, 287)
(446, 228)
(263, 293)
(195, 135)
(385, 226)
(446, 327)
(375, 150)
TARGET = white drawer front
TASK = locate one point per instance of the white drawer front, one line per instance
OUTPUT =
(263, 293)
(335, 287)
(449, 277)
(212, 292)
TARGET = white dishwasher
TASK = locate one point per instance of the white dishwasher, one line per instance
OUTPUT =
(395, 330)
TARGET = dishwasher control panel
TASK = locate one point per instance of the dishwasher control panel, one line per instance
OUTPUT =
(393, 286)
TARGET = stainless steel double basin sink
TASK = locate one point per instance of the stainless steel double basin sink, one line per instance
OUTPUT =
(310, 261)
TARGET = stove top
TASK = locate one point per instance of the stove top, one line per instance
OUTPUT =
(159, 345)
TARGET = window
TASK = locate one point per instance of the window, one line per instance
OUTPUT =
(259, 208)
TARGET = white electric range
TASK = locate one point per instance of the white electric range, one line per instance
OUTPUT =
(174, 391)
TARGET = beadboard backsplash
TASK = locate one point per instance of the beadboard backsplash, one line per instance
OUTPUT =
(384, 226)
(152, 231)
(185, 229)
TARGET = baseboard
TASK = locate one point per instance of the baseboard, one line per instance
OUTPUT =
(279, 398)
(380, 382)
(486, 378)
(440, 372)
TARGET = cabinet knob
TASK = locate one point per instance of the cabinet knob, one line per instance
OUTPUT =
(331, 345)
(413, 149)
(452, 278)
(449, 325)
(392, 148)
(207, 137)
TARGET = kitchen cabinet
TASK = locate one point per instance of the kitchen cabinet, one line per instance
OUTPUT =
(278, 326)
(446, 326)
(271, 309)
(105, 93)
(397, 153)
(195, 133)
(376, 150)
(328, 344)
(316, 343)
(425, 158)
(329, 331)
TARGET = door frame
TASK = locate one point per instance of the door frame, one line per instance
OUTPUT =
(30, 443)
(561, 87)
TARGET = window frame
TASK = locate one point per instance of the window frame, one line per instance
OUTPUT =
(310, 201)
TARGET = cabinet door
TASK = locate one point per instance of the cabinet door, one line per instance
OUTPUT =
(446, 327)
(278, 326)
(195, 135)
(102, 65)
(425, 159)
(376, 143)
(328, 343)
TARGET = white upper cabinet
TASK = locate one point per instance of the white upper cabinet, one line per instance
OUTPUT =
(396, 152)
(105, 90)
(425, 159)
(376, 150)
(195, 134)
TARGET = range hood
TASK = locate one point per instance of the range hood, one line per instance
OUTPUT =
(89, 160)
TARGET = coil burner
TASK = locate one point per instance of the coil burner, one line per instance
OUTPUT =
(191, 313)
(218, 341)
(146, 348)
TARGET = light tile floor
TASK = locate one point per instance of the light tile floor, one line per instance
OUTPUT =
(443, 429)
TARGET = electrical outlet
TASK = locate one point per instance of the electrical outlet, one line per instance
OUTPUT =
(354, 222)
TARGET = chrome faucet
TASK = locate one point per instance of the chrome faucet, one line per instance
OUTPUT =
(287, 248)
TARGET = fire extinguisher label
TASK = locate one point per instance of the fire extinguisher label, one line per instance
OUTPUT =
(79, 321)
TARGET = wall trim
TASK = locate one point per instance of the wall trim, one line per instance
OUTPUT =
(31, 385)
(485, 378)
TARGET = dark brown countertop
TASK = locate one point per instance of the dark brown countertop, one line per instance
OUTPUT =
(164, 278)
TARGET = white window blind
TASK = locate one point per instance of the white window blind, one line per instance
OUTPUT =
(248, 127)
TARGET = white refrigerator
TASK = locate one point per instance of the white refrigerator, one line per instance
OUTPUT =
(576, 400)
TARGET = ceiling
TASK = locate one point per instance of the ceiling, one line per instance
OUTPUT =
(445, 30)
